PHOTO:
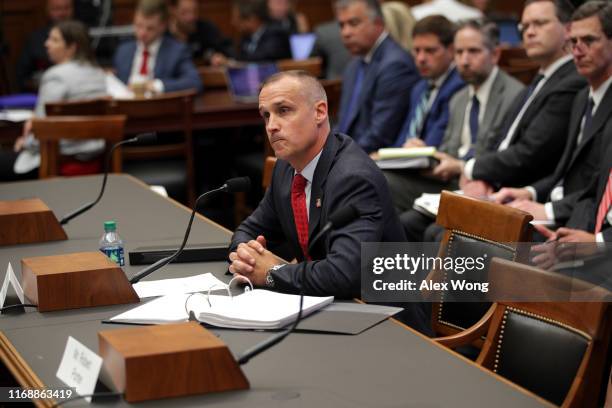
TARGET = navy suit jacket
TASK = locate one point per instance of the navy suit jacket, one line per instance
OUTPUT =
(173, 65)
(272, 45)
(344, 175)
(383, 102)
(436, 119)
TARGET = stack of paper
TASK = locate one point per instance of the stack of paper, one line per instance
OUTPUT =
(406, 158)
(256, 309)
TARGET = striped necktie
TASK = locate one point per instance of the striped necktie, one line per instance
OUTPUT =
(604, 205)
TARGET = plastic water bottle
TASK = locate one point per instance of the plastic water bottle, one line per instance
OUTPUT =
(111, 244)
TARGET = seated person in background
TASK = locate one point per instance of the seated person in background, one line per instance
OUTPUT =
(433, 51)
(399, 22)
(206, 42)
(476, 115)
(283, 13)
(74, 76)
(261, 40)
(318, 172)
(33, 60)
(378, 79)
(535, 131)
(154, 59)
(590, 124)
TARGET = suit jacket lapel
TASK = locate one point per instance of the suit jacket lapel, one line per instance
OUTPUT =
(285, 200)
(318, 183)
(161, 58)
(604, 110)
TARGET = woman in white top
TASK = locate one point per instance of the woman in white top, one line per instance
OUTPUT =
(74, 75)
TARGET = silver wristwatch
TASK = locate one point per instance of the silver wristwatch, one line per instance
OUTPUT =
(269, 277)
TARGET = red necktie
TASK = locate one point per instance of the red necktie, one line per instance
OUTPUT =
(298, 203)
(604, 205)
(144, 68)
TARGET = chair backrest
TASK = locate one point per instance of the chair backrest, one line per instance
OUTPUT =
(50, 130)
(157, 114)
(554, 349)
(333, 89)
(213, 77)
(77, 108)
(515, 62)
(268, 168)
(471, 227)
(312, 65)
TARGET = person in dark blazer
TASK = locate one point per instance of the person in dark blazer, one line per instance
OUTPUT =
(378, 79)
(204, 39)
(476, 115)
(426, 121)
(329, 47)
(317, 173)
(530, 146)
(261, 41)
(153, 58)
(591, 116)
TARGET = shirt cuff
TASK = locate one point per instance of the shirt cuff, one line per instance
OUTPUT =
(599, 237)
(158, 86)
(469, 168)
(533, 192)
(550, 212)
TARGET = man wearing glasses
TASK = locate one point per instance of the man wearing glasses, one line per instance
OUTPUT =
(588, 136)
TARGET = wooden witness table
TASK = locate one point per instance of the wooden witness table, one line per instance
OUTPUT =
(388, 365)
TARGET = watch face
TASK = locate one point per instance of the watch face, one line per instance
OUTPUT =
(269, 280)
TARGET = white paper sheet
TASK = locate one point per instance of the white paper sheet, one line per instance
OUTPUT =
(191, 284)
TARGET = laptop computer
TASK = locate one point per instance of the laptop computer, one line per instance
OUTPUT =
(301, 45)
(244, 82)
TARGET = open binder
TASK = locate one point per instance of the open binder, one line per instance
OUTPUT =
(254, 309)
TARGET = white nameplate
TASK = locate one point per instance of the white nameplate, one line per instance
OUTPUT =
(10, 277)
(79, 368)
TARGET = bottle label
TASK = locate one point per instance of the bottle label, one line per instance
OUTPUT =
(115, 254)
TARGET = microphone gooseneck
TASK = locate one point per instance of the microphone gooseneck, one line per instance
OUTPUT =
(141, 138)
(337, 219)
(233, 185)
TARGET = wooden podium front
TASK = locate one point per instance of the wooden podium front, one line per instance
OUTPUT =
(73, 281)
(153, 362)
(27, 222)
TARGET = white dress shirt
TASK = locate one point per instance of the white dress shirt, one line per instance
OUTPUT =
(135, 75)
(308, 173)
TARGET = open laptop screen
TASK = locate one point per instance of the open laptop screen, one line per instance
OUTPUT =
(244, 82)
(301, 45)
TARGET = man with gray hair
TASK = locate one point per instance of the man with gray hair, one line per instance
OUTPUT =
(476, 115)
(377, 82)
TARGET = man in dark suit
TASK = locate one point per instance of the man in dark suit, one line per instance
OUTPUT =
(317, 173)
(432, 40)
(529, 147)
(591, 119)
(261, 40)
(476, 115)
(153, 59)
(378, 79)
(205, 40)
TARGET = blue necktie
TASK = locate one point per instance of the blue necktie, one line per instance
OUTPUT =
(474, 113)
(349, 112)
(414, 127)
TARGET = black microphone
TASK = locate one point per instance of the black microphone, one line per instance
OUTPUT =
(233, 185)
(145, 138)
(337, 219)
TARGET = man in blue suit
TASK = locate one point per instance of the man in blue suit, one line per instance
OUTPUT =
(433, 49)
(377, 81)
(157, 60)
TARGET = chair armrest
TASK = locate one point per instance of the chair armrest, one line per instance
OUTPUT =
(469, 335)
